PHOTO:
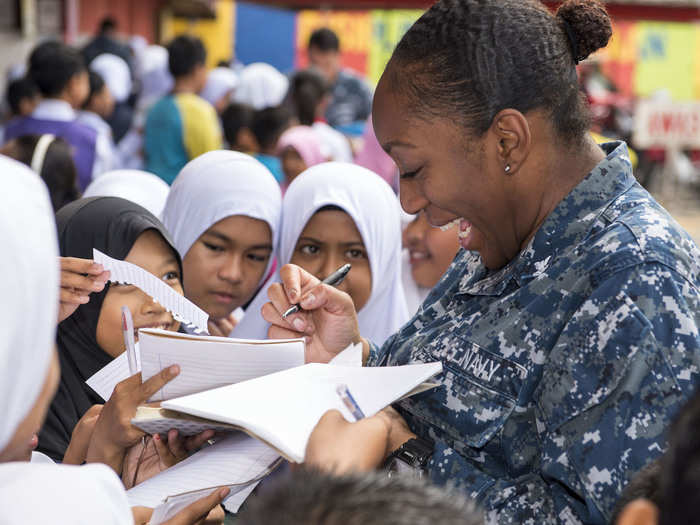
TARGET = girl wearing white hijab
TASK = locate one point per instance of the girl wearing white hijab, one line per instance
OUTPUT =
(29, 306)
(116, 74)
(220, 84)
(334, 213)
(223, 212)
(143, 188)
(261, 86)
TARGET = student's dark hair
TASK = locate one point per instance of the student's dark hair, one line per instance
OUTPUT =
(324, 39)
(680, 467)
(235, 118)
(108, 24)
(223, 63)
(645, 484)
(306, 91)
(313, 498)
(185, 53)
(52, 65)
(19, 89)
(268, 124)
(470, 59)
(58, 170)
(97, 84)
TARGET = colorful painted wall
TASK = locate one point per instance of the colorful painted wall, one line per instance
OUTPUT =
(646, 57)
(642, 58)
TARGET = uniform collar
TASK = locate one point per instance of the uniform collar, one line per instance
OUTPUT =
(54, 109)
(565, 227)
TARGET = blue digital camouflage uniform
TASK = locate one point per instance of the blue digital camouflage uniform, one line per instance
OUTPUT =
(563, 369)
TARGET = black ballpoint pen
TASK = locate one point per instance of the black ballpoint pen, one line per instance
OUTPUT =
(333, 279)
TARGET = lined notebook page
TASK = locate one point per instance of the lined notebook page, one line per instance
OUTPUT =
(235, 461)
(283, 408)
(183, 310)
(211, 362)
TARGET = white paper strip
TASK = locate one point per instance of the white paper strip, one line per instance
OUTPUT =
(183, 310)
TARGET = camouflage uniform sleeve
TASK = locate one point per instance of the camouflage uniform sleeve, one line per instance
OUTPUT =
(618, 372)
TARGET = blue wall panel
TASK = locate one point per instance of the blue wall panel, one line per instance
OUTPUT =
(265, 34)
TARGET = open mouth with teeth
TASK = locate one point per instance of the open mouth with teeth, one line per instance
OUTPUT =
(161, 326)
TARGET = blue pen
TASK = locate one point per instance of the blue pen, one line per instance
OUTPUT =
(349, 402)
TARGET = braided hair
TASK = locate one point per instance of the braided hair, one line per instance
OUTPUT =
(470, 59)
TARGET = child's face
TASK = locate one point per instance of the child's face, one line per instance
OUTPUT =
(225, 265)
(102, 103)
(292, 163)
(78, 89)
(431, 250)
(330, 240)
(152, 253)
(27, 105)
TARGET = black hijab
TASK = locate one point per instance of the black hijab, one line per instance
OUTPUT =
(111, 225)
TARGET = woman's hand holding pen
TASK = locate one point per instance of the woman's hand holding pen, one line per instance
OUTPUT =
(327, 320)
(79, 278)
(340, 447)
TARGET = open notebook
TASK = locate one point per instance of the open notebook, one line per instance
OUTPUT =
(206, 362)
(282, 409)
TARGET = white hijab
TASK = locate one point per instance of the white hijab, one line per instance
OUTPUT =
(115, 72)
(28, 292)
(373, 206)
(62, 495)
(261, 86)
(152, 70)
(220, 81)
(141, 187)
(217, 185)
(29, 281)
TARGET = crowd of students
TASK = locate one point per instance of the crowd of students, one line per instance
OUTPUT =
(226, 182)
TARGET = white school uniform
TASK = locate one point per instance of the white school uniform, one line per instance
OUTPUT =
(29, 281)
(373, 207)
(106, 158)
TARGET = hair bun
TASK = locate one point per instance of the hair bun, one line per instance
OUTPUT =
(590, 24)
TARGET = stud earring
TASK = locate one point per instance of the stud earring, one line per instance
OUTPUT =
(507, 168)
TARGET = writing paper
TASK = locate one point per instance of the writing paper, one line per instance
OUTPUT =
(208, 362)
(183, 310)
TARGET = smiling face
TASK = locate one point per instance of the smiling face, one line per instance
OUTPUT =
(329, 240)
(153, 254)
(225, 265)
(430, 249)
(449, 176)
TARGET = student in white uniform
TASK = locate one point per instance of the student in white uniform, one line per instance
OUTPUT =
(98, 106)
(44, 492)
(337, 213)
(223, 212)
